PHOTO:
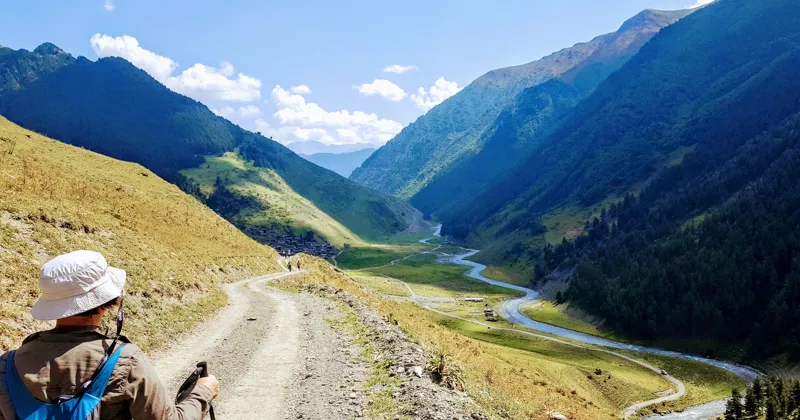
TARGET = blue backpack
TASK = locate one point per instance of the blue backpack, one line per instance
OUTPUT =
(78, 407)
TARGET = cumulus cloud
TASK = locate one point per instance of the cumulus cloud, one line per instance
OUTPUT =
(300, 90)
(305, 121)
(199, 81)
(441, 90)
(383, 88)
(206, 83)
(128, 48)
(249, 112)
(109, 5)
(701, 3)
(225, 112)
(398, 69)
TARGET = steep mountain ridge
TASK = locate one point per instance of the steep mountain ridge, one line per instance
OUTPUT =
(682, 163)
(654, 105)
(114, 108)
(456, 129)
(18, 69)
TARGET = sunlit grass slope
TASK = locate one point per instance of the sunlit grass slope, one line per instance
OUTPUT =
(512, 375)
(56, 198)
(282, 205)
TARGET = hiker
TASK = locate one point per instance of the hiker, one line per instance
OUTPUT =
(49, 375)
(290, 266)
(298, 265)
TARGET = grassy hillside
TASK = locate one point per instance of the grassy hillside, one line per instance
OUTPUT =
(56, 198)
(111, 107)
(455, 130)
(278, 203)
(511, 374)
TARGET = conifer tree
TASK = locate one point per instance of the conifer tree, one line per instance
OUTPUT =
(772, 409)
(750, 403)
(733, 408)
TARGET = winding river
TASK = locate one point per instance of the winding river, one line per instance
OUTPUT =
(511, 311)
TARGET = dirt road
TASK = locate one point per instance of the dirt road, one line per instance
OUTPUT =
(275, 356)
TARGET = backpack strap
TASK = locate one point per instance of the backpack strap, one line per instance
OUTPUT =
(24, 403)
(98, 386)
(29, 408)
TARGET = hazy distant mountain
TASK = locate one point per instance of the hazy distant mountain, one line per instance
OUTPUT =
(341, 163)
(454, 130)
(312, 147)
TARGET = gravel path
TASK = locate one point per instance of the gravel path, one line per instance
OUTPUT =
(275, 356)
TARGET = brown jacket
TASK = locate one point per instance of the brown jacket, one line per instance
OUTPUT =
(57, 361)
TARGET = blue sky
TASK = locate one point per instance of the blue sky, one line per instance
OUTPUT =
(337, 49)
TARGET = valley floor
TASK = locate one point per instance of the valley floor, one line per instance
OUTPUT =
(638, 385)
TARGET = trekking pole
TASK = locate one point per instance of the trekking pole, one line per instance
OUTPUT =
(201, 371)
(203, 366)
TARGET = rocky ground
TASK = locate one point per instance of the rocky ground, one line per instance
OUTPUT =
(317, 354)
(417, 394)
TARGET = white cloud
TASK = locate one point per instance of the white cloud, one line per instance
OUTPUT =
(398, 69)
(305, 121)
(701, 3)
(206, 83)
(250, 111)
(247, 112)
(300, 90)
(201, 82)
(225, 112)
(109, 5)
(441, 90)
(383, 88)
(128, 48)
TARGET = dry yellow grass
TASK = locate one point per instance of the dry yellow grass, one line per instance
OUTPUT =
(55, 198)
(510, 375)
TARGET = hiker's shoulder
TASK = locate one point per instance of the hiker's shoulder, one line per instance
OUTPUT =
(131, 350)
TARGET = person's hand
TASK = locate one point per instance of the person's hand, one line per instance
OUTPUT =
(212, 383)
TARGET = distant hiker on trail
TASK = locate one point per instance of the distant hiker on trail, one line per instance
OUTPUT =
(48, 377)
(298, 265)
(290, 266)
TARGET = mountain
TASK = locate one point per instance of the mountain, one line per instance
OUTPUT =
(342, 163)
(312, 147)
(56, 198)
(18, 69)
(111, 107)
(459, 127)
(677, 178)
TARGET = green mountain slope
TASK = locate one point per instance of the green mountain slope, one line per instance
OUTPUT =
(693, 83)
(18, 69)
(342, 163)
(455, 129)
(114, 108)
(687, 156)
(717, 255)
(533, 114)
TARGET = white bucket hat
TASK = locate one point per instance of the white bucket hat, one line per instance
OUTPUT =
(76, 282)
